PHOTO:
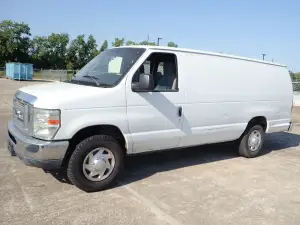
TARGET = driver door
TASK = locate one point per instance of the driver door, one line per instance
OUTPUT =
(155, 120)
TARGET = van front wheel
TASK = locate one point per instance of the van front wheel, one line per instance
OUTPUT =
(95, 163)
(252, 141)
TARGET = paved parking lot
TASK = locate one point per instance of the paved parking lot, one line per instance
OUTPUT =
(203, 185)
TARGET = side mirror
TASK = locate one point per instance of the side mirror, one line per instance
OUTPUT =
(146, 83)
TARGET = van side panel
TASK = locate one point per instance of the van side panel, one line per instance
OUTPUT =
(223, 94)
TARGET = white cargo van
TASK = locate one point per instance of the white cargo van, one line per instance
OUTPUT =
(137, 99)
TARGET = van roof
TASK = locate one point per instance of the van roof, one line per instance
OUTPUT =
(201, 52)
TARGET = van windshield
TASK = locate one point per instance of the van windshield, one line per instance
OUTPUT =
(108, 68)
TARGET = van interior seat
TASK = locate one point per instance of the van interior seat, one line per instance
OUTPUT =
(168, 80)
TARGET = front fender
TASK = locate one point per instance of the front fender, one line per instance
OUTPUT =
(75, 120)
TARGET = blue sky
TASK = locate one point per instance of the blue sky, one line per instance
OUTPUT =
(246, 28)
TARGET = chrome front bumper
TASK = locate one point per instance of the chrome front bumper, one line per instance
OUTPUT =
(34, 152)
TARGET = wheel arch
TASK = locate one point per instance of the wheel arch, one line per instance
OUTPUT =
(257, 120)
(86, 132)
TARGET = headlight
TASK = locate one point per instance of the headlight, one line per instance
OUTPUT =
(46, 123)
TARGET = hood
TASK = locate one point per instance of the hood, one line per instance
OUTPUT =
(60, 95)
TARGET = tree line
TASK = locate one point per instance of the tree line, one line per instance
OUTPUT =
(56, 51)
(295, 76)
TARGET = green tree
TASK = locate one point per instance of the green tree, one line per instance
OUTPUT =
(49, 52)
(70, 66)
(39, 52)
(104, 46)
(130, 43)
(147, 43)
(14, 42)
(140, 43)
(76, 53)
(52, 52)
(292, 75)
(81, 52)
(57, 50)
(91, 48)
(172, 44)
(118, 42)
(296, 76)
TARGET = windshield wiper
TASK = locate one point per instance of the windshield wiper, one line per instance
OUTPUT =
(93, 78)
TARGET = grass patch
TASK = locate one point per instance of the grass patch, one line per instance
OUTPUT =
(36, 74)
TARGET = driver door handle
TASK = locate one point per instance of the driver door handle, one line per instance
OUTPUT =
(179, 111)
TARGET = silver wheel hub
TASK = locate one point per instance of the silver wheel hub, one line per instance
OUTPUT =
(98, 164)
(254, 140)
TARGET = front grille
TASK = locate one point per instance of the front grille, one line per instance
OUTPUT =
(21, 114)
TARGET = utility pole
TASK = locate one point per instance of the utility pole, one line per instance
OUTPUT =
(148, 38)
(263, 55)
(158, 40)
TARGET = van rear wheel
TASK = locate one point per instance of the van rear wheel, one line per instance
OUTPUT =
(95, 163)
(252, 141)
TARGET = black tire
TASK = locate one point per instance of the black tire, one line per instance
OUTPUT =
(244, 149)
(75, 172)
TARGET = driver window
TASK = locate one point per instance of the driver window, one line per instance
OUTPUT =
(164, 70)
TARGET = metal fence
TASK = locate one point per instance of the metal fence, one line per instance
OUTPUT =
(296, 86)
(58, 75)
(2, 71)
